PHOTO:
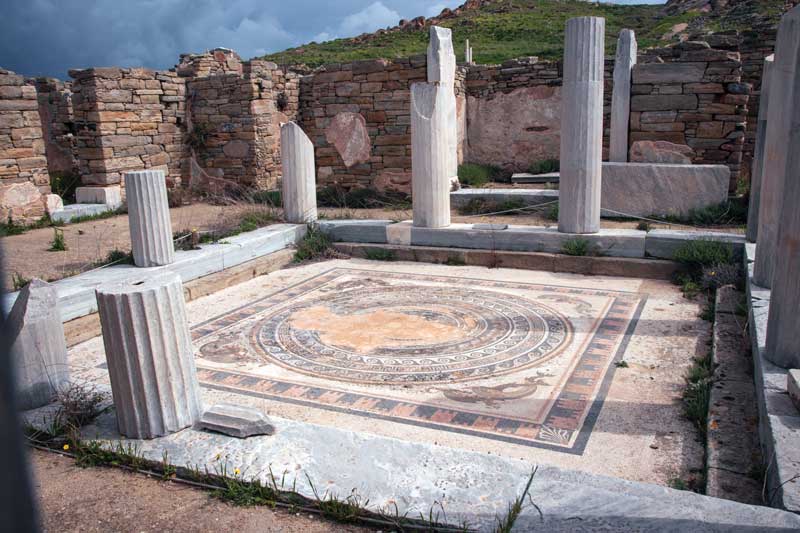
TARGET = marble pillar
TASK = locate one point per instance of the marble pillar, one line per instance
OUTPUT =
(299, 192)
(783, 325)
(442, 71)
(38, 345)
(149, 354)
(467, 59)
(148, 217)
(757, 167)
(581, 126)
(430, 166)
(621, 96)
(776, 148)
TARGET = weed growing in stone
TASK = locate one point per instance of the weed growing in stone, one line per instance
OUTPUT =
(455, 261)
(19, 281)
(621, 364)
(316, 244)
(58, 244)
(545, 166)
(552, 212)
(698, 390)
(577, 247)
(379, 254)
(644, 226)
(506, 523)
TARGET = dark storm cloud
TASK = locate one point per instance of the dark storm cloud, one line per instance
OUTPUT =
(48, 37)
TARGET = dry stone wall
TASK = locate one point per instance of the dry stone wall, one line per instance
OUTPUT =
(58, 125)
(23, 165)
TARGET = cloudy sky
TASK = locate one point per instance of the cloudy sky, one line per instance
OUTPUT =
(48, 37)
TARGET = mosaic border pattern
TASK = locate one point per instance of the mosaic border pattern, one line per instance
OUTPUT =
(566, 427)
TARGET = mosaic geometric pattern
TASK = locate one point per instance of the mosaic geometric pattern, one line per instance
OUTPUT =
(526, 363)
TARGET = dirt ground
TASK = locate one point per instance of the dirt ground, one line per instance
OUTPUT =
(86, 500)
(27, 255)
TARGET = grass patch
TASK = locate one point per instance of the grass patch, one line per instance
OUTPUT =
(730, 213)
(576, 247)
(699, 378)
(455, 261)
(362, 198)
(99, 216)
(316, 244)
(379, 254)
(481, 206)
(58, 244)
(552, 212)
(545, 166)
(474, 175)
(272, 198)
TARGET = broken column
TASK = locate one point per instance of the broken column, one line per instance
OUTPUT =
(776, 148)
(38, 346)
(758, 154)
(442, 71)
(621, 96)
(149, 354)
(148, 217)
(299, 193)
(430, 164)
(783, 341)
(581, 126)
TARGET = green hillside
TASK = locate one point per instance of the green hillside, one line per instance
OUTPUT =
(497, 31)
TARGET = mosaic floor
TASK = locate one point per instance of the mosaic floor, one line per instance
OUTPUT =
(496, 360)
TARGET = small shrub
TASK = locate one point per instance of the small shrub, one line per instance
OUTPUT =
(545, 166)
(80, 404)
(575, 247)
(58, 244)
(473, 175)
(480, 206)
(552, 212)
(64, 185)
(621, 364)
(272, 198)
(198, 137)
(455, 261)
(677, 484)
(644, 226)
(715, 276)
(117, 256)
(19, 281)
(314, 245)
(703, 253)
(379, 254)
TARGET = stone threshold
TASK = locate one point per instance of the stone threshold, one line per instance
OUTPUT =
(657, 244)
(732, 446)
(589, 265)
(471, 487)
(77, 294)
(779, 419)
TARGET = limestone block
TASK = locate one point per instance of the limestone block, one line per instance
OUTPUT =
(658, 73)
(149, 353)
(236, 149)
(38, 346)
(661, 152)
(52, 203)
(793, 387)
(348, 133)
(21, 202)
(646, 189)
(621, 96)
(758, 154)
(299, 185)
(110, 196)
(430, 165)
(236, 421)
(581, 126)
(148, 216)
(782, 100)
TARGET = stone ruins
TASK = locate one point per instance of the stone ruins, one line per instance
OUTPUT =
(494, 369)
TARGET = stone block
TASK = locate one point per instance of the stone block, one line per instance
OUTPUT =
(371, 231)
(20, 202)
(669, 72)
(793, 386)
(666, 102)
(235, 421)
(661, 152)
(52, 203)
(662, 243)
(69, 212)
(149, 354)
(110, 196)
(38, 346)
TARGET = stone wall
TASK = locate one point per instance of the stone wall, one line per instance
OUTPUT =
(128, 119)
(696, 98)
(58, 125)
(23, 166)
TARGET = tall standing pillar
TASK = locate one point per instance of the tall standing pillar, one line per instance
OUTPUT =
(581, 126)
(776, 148)
(783, 324)
(149, 354)
(299, 193)
(430, 165)
(757, 168)
(621, 96)
(148, 217)
(442, 71)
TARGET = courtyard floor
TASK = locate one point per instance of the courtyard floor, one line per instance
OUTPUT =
(523, 364)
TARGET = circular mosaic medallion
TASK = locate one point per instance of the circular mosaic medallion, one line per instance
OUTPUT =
(406, 334)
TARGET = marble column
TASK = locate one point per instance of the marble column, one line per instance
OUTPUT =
(581, 126)
(148, 217)
(783, 325)
(776, 148)
(430, 166)
(442, 71)
(621, 96)
(757, 167)
(38, 346)
(467, 59)
(299, 193)
(149, 354)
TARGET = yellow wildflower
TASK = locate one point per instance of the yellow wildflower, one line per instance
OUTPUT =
(66, 447)
(236, 471)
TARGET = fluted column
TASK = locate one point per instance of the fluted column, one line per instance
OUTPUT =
(149, 355)
(430, 179)
(783, 325)
(776, 148)
(621, 96)
(38, 346)
(757, 167)
(148, 216)
(581, 126)
(299, 193)
(442, 71)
